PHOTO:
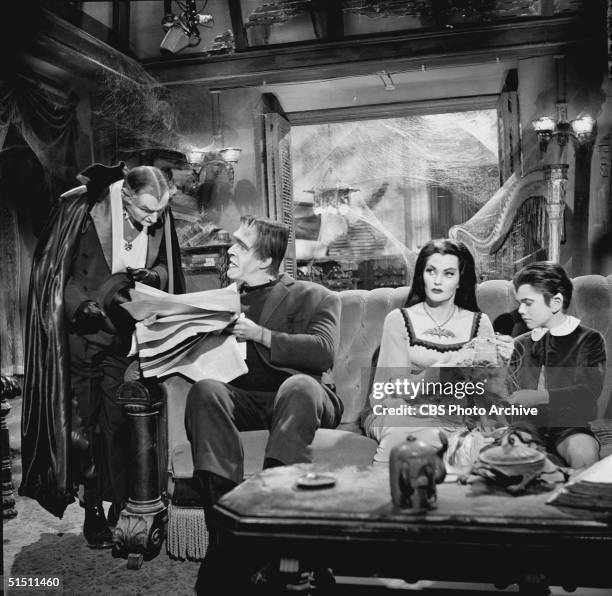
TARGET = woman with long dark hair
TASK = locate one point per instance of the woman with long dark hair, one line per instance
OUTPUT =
(441, 315)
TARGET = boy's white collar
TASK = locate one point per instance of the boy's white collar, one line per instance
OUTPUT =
(565, 328)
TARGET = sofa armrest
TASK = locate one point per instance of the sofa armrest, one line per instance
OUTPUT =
(602, 429)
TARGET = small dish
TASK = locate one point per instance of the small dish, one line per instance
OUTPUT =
(312, 480)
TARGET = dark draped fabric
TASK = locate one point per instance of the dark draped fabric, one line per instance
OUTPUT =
(47, 122)
(32, 117)
(609, 16)
(45, 422)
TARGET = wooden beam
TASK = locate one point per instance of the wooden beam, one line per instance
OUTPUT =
(394, 109)
(68, 47)
(235, 9)
(121, 24)
(78, 18)
(327, 19)
(580, 223)
(393, 52)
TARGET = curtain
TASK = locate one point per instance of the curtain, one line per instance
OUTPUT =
(610, 42)
(45, 121)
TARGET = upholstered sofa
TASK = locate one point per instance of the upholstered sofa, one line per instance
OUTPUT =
(363, 313)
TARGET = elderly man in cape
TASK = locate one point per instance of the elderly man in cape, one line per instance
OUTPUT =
(101, 237)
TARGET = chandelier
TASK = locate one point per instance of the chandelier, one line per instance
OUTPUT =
(331, 195)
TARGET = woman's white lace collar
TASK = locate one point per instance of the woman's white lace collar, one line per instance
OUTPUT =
(565, 328)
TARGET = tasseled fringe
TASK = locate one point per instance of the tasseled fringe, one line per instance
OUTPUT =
(187, 534)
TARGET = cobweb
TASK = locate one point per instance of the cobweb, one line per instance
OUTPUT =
(482, 224)
(132, 112)
(398, 165)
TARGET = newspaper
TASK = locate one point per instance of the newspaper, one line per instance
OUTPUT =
(184, 334)
(590, 489)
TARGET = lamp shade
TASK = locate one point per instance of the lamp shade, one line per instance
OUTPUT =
(583, 126)
(230, 154)
(195, 155)
(545, 124)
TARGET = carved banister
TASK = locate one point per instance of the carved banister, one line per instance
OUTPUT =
(141, 527)
(556, 180)
(9, 388)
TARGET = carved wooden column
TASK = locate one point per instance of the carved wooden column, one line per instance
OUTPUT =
(8, 388)
(582, 200)
(141, 528)
(556, 180)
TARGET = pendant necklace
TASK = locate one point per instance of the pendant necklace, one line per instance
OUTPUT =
(439, 331)
(127, 244)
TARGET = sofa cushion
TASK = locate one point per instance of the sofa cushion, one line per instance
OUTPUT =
(334, 447)
(362, 317)
(592, 302)
(495, 297)
(602, 429)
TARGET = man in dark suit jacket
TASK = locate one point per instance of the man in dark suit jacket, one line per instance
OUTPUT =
(291, 331)
(102, 236)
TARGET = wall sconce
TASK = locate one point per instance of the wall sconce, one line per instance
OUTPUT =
(194, 158)
(223, 158)
(215, 154)
(582, 129)
(230, 155)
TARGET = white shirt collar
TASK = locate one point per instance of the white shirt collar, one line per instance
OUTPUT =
(567, 327)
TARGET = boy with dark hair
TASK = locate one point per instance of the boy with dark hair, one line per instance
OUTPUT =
(558, 365)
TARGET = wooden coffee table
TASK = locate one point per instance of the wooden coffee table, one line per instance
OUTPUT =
(476, 534)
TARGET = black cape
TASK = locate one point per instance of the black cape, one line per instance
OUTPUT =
(46, 411)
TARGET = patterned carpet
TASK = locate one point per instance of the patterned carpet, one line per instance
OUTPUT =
(37, 544)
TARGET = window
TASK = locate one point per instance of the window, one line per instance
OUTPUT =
(369, 193)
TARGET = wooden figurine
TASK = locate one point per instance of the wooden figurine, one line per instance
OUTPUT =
(415, 467)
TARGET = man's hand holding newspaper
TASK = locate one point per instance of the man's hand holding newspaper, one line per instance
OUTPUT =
(183, 333)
